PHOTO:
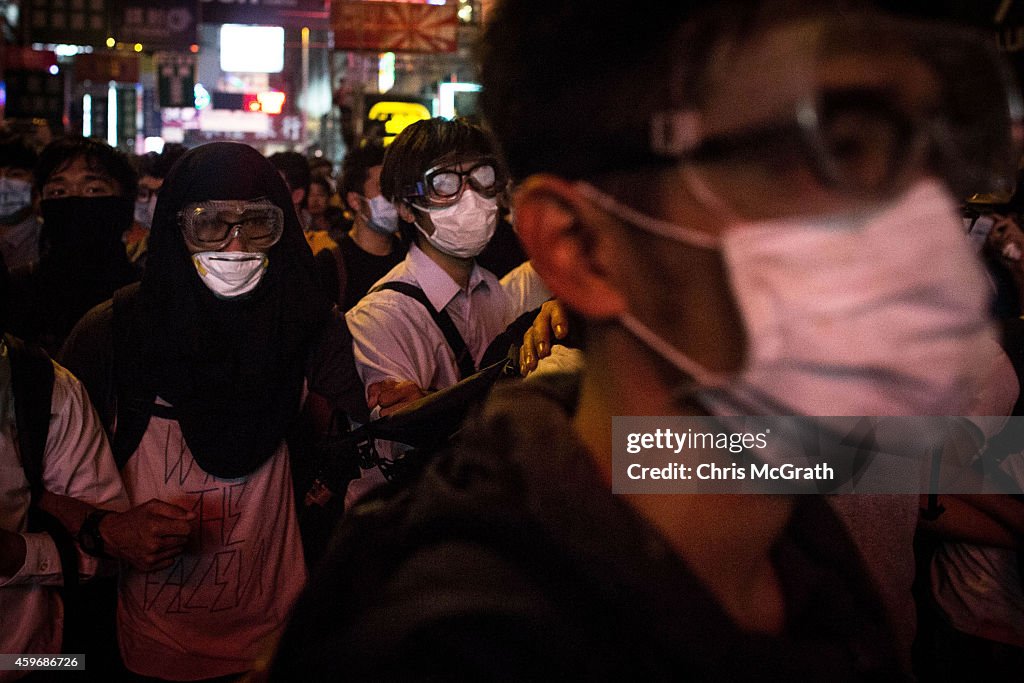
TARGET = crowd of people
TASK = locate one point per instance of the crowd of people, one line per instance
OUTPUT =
(762, 212)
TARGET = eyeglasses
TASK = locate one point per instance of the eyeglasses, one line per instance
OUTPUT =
(211, 225)
(863, 102)
(444, 185)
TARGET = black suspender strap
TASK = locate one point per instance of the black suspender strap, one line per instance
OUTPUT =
(463, 358)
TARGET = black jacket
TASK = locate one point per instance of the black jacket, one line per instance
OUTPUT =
(509, 559)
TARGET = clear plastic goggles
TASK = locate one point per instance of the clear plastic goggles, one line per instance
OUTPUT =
(211, 225)
(864, 103)
(444, 185)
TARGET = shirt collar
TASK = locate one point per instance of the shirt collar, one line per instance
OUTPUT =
(438, 285)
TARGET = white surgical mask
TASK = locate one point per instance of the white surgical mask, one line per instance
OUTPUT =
(383, 216)
(882, 313)
(144, 211)
(464, 228)
(15, 195)
(230, 274)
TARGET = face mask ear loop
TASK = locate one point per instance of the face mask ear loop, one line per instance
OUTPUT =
(708, 198)
(414, 210)
(654, 226)
(702, 377)
(422, 231)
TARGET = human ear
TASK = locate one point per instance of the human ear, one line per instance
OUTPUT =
(405, 212)
(563, 236)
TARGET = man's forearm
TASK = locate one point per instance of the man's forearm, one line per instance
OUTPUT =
(70, 512)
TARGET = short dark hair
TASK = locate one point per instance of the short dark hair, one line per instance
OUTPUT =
(16, 152)
(356, 165)
(570, 86)
(97, 155)
(321, 166)
(295, 168)
(165, 160)
(421, 144)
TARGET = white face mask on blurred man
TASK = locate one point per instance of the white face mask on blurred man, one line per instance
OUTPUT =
(843, 315)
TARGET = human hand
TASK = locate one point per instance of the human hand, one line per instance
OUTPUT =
(1007, 240)
(148, 536)
(392, 395)
(537, 340)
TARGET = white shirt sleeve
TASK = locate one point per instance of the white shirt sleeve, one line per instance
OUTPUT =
(390, 341)
(525, 289)
(77, 463)
(42, 563)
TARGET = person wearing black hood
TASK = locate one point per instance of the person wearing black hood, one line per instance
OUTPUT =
(87, 190)
(205, 365)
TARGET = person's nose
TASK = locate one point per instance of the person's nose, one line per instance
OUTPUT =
(237, 242)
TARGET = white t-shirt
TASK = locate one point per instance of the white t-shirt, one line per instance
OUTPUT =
(223, 603)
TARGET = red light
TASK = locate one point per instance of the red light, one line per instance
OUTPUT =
(193, 48)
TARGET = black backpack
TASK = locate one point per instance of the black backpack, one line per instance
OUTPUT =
(426, 426)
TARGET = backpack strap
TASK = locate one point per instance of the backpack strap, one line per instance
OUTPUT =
(134, 403)
(342, 267)
(444, 321)
(32, 386)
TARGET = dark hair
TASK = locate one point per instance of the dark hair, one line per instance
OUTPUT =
(570, 86)
(295, 168)
(16, 152)
(318, 165)
(98, 155)
(165, 160)
(144, 163)
(423, 144)
(356, 165)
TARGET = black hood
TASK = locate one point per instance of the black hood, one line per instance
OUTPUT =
(232, 369)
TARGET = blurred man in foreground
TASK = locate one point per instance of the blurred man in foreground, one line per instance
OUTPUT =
(728, 221)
